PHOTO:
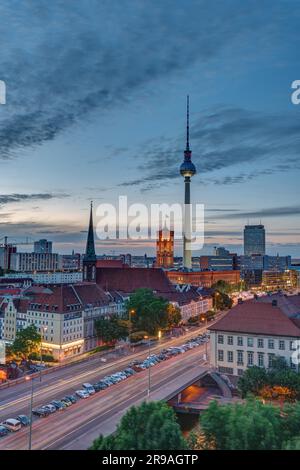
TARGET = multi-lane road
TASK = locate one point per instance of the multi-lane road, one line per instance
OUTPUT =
(87, 418)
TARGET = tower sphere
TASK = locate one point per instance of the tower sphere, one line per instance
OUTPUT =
(187, 168)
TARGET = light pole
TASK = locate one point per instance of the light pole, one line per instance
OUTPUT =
(30, 412)
(205, 319)
(43, 330)
(149, 368)
(131, 312)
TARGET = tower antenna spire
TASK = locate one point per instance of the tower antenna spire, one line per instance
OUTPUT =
(187, 122)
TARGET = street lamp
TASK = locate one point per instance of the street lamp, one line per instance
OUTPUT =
(43, 330)
(30, 411)
(149, 368)
(131, 312)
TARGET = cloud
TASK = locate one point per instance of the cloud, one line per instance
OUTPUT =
(222, 139)
(17, 197)
(68, 60)
(264, 213)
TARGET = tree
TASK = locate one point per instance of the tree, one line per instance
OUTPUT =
(222, 301)
(111, 329)
(252, 381)
(250, 426)
(26, 342)
(255, 379)
(148, 311)
(174, 315)
(150, 426)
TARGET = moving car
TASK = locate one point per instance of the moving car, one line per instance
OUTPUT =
(82, 394)
(24, 420)
(12, 424)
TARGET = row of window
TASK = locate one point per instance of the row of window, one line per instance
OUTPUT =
(247, 358)
(261, 342)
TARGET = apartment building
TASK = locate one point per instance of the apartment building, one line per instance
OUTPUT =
(255, 332)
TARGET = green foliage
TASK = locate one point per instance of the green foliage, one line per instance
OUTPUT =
(174, 316)
(222, 301)
(35, 356)
(112, 329)
(27, 341)
(255, 378)
(150, 426)
(149, 312)
(250, 426)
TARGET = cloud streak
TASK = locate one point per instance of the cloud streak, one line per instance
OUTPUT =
(17, 197)
(223, 139)
(66, 62)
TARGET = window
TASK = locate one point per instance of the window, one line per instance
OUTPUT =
(220, 339)
(220, 355)
(282, 344)
(250, 358)
(229, 356)
(250, 342)
(240, 358)
(261, 362)
(292, 364)
(260, 343)
(293, 346)
(230, 340)
(271, 344)
(270, 360)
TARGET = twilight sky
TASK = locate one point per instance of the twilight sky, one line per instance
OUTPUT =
(95, 109)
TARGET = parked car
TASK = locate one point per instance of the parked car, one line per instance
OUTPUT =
(58, 405)
(3, 431)
(99, 386)
(72, 398)
(41, 412)
(130, 371)
(50, 407)
(89, 388)
(24, 420)
(82, 393)
(66, 401)
(12, 424)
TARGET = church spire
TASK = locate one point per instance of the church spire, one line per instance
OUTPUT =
(90, 258)
(90, 253)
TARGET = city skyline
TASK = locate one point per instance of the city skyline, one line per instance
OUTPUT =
(118, 127)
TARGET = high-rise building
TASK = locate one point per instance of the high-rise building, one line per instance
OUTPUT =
(43, 246)
(187, 170)
(29, 262)
(254, 240)
(90, 258)
(165, 248)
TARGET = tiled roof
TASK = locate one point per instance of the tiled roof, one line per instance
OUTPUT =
(68, 297)
(257, 317)
(129, 279)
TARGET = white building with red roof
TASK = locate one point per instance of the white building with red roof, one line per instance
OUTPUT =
(254, 332)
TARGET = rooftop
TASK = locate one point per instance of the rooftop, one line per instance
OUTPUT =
(259, 317)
